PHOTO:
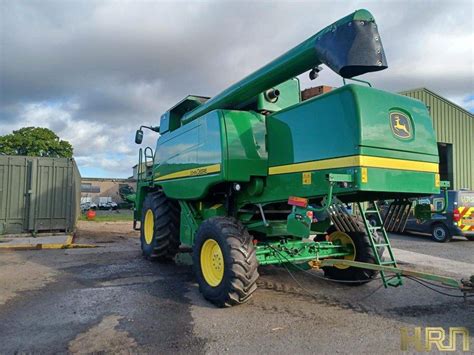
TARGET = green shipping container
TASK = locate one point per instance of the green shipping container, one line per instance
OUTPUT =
(38, 194)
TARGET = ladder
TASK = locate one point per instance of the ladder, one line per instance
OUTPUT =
(379, 226)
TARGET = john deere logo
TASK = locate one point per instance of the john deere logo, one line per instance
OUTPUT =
(401, 125)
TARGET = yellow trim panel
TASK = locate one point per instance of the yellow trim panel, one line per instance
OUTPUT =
(204, 170)
(356, 160)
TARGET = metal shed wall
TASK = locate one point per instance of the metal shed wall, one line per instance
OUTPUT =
(455, 126)
(38, 194)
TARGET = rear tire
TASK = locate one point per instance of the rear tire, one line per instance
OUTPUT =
(159, 227)
(440, 233)
(225, 262)
(363, 253)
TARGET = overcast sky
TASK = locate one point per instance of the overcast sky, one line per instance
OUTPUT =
(93, 71)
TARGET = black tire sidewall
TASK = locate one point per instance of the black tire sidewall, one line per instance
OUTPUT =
(440, 226)
(217, 294)
(148, 249)
(364, 253)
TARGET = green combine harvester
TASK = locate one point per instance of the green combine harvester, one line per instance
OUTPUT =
(254, 176)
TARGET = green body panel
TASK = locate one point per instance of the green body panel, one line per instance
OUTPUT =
(348, 121)
(220, 146)
(289, 96)
(182, 155)
(385, 183)
(244, 149)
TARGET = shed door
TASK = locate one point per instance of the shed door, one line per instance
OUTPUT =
(51, 197)
(13, 194)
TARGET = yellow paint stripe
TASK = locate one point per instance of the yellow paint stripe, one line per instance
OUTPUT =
(41, 246)
(205, 170)
(356, 160)
(68, 244)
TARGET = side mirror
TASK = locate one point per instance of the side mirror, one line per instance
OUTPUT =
(139, 136)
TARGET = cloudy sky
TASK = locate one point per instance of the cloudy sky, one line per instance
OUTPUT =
(93, 71)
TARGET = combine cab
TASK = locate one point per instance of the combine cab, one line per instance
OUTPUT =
(255, 177)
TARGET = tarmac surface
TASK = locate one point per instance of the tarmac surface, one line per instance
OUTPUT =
(110, 300)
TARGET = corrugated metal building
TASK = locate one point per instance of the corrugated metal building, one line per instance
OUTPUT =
(454, 128)
(38, 194)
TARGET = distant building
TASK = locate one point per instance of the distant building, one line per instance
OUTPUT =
(94, 188)
(136, 170)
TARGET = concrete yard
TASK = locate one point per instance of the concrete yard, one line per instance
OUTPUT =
(110, 299)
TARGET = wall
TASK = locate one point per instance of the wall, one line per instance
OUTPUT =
(455, 126)
(104, 187)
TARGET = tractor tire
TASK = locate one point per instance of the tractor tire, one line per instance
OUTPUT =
(440, 233)
(225, 262)
(363, 253)
(159, 227)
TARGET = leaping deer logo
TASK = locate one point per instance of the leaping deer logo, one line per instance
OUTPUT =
(400, 125)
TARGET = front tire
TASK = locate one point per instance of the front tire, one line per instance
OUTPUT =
(363, 253)
(440, 233)
(159, 227)
(225, 262)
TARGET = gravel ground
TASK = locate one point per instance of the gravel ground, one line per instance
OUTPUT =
(110, 300)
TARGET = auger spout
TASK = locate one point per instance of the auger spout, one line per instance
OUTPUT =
(350, 46)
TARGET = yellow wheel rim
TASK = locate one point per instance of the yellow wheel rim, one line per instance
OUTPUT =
(343, 239)
(212, 262)
(149, 226)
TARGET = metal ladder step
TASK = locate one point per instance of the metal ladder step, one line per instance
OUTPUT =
(381, 226)
(389, 262)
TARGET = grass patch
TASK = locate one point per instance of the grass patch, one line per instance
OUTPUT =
(115, 217)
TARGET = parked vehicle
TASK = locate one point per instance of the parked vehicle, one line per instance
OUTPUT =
(457, 220)
(106, 203)
(88, 206)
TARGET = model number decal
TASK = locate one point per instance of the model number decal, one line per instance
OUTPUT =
(199, 171)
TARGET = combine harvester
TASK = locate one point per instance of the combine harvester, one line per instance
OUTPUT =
(245, 178)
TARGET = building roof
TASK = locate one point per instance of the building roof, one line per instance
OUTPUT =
(439, 97)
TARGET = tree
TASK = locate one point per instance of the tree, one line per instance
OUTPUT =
(35, 141)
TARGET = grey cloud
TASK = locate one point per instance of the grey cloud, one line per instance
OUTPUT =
(124, 63)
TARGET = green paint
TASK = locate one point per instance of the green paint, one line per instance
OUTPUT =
(298, 251)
